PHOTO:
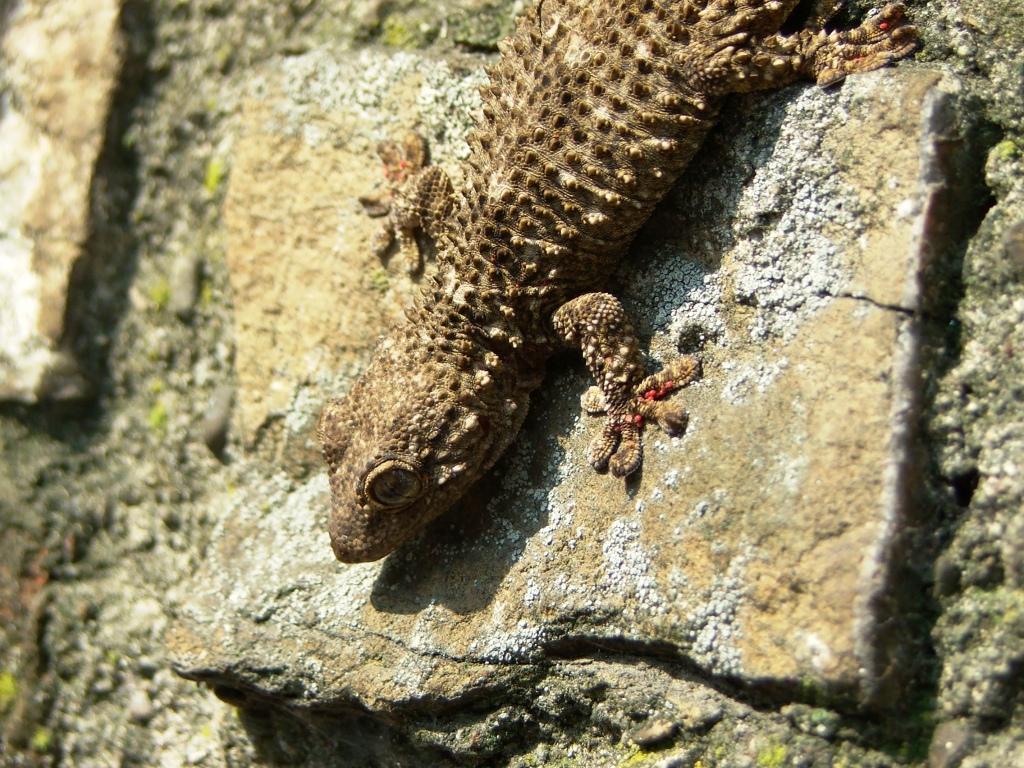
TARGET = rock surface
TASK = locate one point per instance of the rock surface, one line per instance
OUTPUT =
(757, 547)
(53, 119)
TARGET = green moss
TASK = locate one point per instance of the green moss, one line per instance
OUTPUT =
(1005, 150)
(160, 293)
(482, 28)
(813, 692)
(42, 739)
(636, 758)
(400, 31)
(158, 417)
(206, 294)
(773, 757)
(821, 716)
(379, 280)
(215, 172)
(8, 691)
(919, 726)
(224, 56)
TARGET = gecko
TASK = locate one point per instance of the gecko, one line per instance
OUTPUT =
(591, 114)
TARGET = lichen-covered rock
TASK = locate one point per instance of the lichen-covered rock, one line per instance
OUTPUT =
(980, 579)
(758, 546)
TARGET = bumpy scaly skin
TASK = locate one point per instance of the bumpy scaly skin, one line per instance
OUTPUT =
(594, 109)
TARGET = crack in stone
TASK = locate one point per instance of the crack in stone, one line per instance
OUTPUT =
(906, 311)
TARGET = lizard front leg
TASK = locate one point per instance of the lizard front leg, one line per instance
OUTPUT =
(599, 326)
(420, 199)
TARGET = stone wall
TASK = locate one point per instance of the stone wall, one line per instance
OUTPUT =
(824, 570)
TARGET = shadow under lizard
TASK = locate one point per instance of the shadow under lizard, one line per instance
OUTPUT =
(591, 114)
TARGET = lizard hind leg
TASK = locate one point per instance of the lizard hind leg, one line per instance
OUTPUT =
(816, 53)
(420, 200)
(882, 39)
(597, 324)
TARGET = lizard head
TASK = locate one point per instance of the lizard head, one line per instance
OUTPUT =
(401, 448)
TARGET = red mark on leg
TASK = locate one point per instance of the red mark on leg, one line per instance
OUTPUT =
(660, 392)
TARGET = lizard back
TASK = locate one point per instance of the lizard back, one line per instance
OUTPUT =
(591, 114)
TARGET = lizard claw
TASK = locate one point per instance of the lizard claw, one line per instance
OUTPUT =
(626, 460)
(670, 417)
(375, 206)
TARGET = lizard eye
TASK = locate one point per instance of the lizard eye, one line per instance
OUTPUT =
(393, 483)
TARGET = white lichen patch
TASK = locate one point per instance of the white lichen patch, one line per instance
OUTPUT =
(796, 218)
(500, 643)
(677, 296)
(412, 671)
(428, 629)
(532, 592)
(712, 626)
(817, 651)
(744, 380)
(628, 568)
(791, 470)
(374, 105)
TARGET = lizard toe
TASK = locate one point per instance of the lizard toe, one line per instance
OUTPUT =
(676, 374)
(592, 401)
(627, 459)
(602, 448)
(671, 418)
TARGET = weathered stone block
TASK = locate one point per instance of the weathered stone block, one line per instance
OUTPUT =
(758, 546)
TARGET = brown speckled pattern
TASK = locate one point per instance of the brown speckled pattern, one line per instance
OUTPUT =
(591, 114)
